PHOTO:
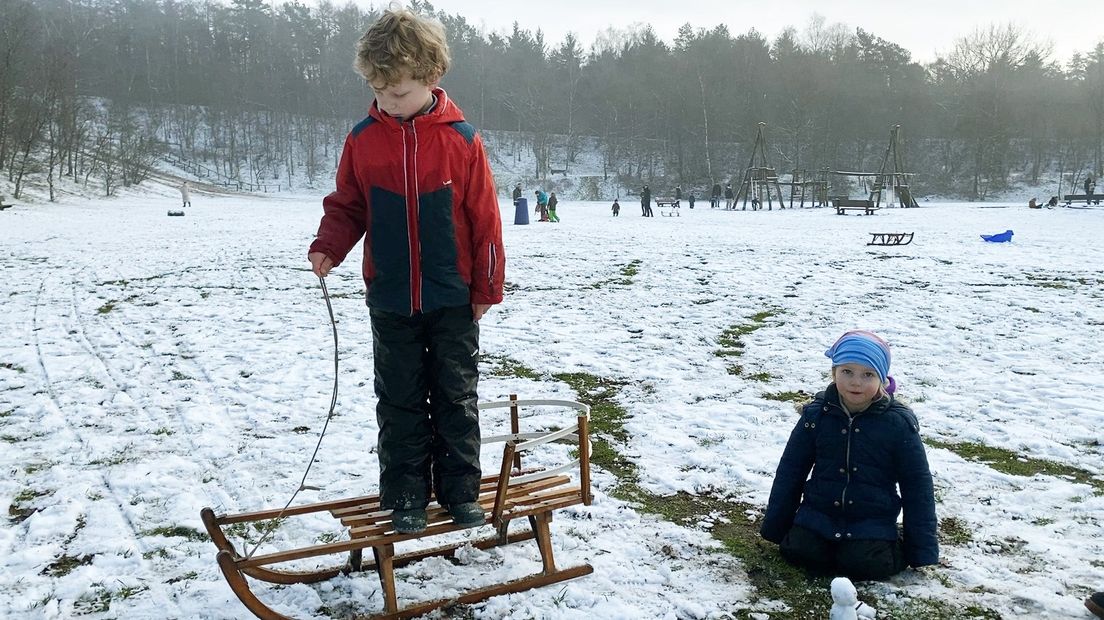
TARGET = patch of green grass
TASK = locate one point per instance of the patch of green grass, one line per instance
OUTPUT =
(732, 343)
(954, 531)
(34, 468)
(164, 431)
(10, 366)
(508, 367)
(176, 531)
(179, 376)
(253, 531)
(100, 598)
(1009, 462)
(632, 268)
(108, 307)
(28, 495)
(606, 416)
(118, 458)
(761, 377)
(789, 397)
(188, 576)
(66, 564)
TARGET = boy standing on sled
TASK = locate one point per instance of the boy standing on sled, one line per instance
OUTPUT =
(861, 444)
(414, 182)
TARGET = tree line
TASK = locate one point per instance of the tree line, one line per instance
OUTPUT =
(99, 89)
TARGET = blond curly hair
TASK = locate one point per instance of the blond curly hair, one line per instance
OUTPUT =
(402, 43)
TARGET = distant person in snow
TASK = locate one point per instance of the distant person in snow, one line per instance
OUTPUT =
(1090, 185)
(861, 444)
(186, 194)
(517, 193)
(678, 193)
(424, 313)
(715, 196)
(728, 195)
(616, 208)
(690, 199)
(646, 202)
(542, 205)
(552, 201)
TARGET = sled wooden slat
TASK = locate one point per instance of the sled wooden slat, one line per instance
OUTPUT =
(512, 493)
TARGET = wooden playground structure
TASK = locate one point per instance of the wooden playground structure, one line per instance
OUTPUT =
(760, 178)
(891, 183)
(890, 186)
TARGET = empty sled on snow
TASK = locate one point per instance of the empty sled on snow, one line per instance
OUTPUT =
(999, 237)
(510, 494)
(890, 238)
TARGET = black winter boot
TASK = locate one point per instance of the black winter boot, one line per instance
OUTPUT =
(467, 514)
(409, 521)
(1095, 604)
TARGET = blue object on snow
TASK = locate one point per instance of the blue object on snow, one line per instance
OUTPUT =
(521, 211)
(999, 237)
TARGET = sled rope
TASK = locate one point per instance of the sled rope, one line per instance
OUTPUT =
(333, 403)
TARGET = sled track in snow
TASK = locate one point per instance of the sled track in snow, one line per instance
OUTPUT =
(165, 602)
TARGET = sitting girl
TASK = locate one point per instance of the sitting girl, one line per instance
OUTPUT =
(861, 444)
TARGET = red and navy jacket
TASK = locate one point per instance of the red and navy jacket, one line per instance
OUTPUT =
(422, 195)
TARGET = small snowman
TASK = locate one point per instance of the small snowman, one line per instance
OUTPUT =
(845, 602)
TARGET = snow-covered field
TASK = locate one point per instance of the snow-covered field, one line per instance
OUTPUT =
(151, 366)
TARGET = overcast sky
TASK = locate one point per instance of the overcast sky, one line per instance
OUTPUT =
(924, 27)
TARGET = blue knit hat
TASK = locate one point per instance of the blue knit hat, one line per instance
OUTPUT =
(863, 347)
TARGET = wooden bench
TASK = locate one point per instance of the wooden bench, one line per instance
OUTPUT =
(852, 204)
(1088, 198)
(671, 205)
(510, 494)
(890, 238)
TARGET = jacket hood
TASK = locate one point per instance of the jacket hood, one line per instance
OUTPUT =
(445, 111)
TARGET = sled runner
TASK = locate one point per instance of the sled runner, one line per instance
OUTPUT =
(890, 238)
(511, 494)
(668, 207)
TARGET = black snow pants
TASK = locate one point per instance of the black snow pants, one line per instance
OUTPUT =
(861, 560)
(427, 373)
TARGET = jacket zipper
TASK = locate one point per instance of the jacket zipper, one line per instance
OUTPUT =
(410, 182)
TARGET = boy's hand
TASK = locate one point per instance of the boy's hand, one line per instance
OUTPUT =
(478, 310)
(320, 264)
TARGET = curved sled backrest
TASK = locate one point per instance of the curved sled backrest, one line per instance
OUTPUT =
(518, 442)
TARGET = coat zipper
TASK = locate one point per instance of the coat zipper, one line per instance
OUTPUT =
(410, 163)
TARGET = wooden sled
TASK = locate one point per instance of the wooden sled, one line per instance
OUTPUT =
(890, 238)
(511, 494)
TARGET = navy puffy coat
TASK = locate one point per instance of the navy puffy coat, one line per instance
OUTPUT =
(857, 464)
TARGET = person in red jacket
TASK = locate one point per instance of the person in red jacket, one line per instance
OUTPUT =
(414, 182)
